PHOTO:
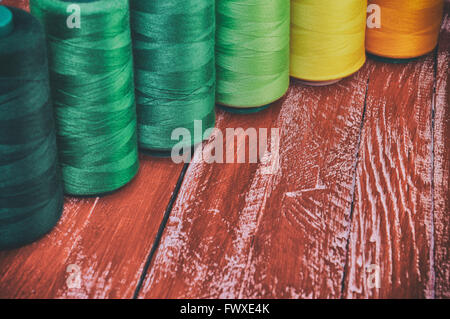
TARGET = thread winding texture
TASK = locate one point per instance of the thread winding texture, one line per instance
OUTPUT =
(327, 38)
(408, 28)
(31, 195)
(91, 74)
(252, 51)
(174, 68)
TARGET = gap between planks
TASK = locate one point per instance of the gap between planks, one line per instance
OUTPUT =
(355, 173)
(160, 231)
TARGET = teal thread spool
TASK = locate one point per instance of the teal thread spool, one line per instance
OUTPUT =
(173, 44)
(91, 73)
(31, 197)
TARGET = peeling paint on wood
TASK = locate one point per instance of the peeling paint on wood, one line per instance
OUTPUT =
(392, 221)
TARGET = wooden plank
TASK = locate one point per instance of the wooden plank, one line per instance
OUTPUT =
(392, 229)
(442, 163)
(236, 231)
(107, 239)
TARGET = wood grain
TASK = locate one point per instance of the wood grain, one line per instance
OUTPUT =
(237, 232)
(392, 221)
(108, 238)
(442, 163)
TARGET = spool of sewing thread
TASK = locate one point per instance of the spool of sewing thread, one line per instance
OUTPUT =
(31, 196)
(403, 29)
(91, 72)
(252, 53)
(327, 39)
(173, 43)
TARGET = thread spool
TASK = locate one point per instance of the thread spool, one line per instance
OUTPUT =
(327, 40)
(403, 30)
(252, 53)
(92, 86)
(173, 44)
(31, 197)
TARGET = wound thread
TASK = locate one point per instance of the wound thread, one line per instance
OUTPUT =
(91, 73)
(31, 197)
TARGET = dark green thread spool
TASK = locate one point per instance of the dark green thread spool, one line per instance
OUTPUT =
(91, 74)
(31, 197)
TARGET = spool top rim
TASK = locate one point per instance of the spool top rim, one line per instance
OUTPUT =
(6, 21)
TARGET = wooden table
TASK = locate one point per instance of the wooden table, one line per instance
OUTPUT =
(362, 188)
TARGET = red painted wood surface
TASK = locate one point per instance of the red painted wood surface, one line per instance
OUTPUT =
(237, 232)
(442, 164)
(363, 179)
(392, 225)
(285, 236)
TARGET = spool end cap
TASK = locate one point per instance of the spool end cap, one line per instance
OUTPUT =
(6, 21)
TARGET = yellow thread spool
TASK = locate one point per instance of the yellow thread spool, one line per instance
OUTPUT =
(327, 39)
(406, 28)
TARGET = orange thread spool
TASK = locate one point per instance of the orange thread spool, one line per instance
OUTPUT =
(406, 28)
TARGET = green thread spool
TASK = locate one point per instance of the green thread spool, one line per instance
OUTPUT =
(91, 74)
(31, 197)
(252, 53)
(173, 42)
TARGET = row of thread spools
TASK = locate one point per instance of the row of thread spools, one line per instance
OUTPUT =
(172, 63)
